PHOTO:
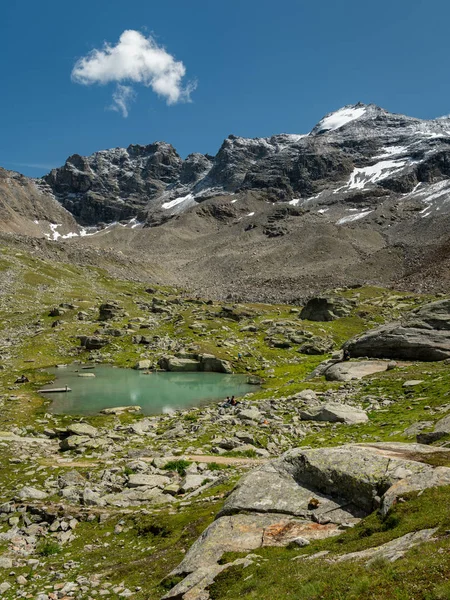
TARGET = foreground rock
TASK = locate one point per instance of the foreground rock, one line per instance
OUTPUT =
(424, 334)
(309, 494)
(238, 534)
(349, 481)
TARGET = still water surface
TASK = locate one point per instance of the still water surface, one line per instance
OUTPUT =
(155, 393)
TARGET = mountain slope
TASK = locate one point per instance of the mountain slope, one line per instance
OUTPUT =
(26, 209)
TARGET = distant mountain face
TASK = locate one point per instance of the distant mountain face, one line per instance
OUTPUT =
(27, 209)
(354, 159)
(363, 198)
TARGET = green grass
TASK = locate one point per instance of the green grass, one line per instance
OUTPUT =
(48, 548)
(179, 466)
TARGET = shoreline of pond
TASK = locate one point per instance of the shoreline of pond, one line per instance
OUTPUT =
(95, 387)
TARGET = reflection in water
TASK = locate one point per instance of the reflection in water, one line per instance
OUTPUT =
(155, 393)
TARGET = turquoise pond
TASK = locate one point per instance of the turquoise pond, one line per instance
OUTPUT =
(156, 393)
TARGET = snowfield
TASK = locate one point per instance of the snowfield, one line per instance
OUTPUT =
(340, 118)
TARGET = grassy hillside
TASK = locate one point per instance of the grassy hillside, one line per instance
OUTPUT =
(138, 546)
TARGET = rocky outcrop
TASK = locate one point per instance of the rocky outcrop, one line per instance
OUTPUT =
(424, 334)
(392, 550)
(239, 533)
(308, 494)
(116, 184)
(325, 309)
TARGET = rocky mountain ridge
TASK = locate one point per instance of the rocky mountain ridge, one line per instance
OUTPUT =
(360, 154)
(363, 198)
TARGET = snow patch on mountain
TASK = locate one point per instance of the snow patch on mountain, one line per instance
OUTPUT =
(354, 217)
(340, 118)
(392, 151)
(189, 198)
(363, 176)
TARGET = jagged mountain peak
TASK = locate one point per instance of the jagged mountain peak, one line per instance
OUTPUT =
(360, 148)
(373, 121)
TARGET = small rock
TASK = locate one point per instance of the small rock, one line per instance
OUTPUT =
(301, 542)
(31, 493)
(5, 562)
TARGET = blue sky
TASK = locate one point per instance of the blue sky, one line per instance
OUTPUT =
(261, 67)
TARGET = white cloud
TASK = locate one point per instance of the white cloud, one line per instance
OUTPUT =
(122, 97)
(135, 59)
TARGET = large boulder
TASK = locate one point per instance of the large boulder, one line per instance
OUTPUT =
(150, 481)
(424, 334)
(335, 413)
(143, 365)
(31, 493)
(92, 342)
(137, 496)
(441, 429)
(346, 371)
(73, 442)
(237, 312)
(209, 362)
(110, 310)
(172, 363)
(238, 533)
(325, 309)
(348, 481)
(194, 362)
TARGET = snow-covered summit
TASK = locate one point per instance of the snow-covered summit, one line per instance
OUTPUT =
(341, 117)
